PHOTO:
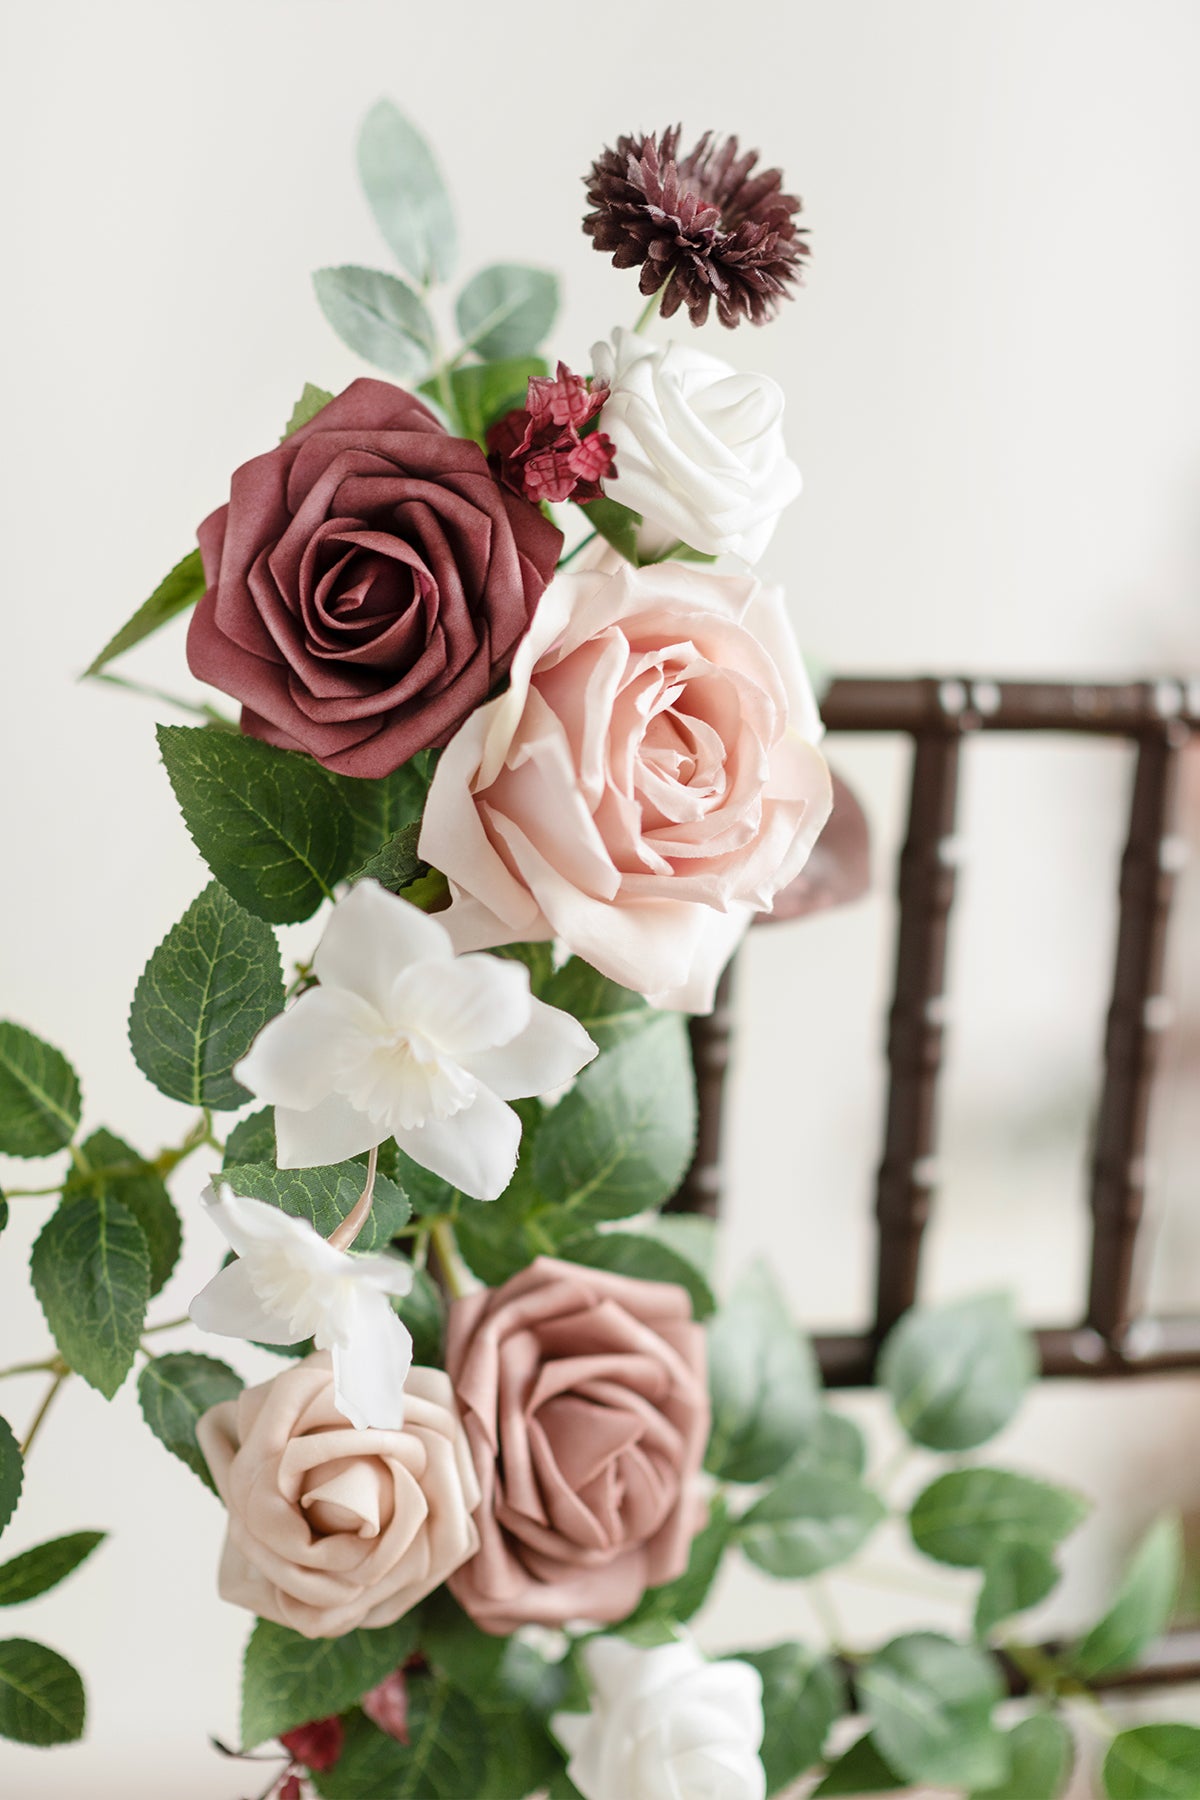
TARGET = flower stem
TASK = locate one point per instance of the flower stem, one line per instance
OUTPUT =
(581, 545)
(442, 1239)
(653, 303)
(167, 1325)
(49, 1365)
(344, 1234)
(48, 1400)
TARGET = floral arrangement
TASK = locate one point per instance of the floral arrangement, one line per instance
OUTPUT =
(536, 762)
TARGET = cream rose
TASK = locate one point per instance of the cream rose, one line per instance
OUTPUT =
(648, 780)
(331, 1527)
(699, 446)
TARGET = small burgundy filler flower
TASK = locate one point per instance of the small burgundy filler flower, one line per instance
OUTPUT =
(539, 450)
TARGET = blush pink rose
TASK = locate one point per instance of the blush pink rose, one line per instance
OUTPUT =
(648, 780)
(585, 1402)
(368, 582)
(331, 1527)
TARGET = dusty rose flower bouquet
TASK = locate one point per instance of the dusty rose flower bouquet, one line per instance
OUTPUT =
(527, 738)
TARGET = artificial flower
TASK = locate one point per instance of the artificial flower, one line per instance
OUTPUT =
(649, 778)
(540, 450)
(403, 1040)
(289, 1284)
(585, 1403)
(706, 224)
(329, 1528)
(699, 447)
(368, 583)
(664, 1721)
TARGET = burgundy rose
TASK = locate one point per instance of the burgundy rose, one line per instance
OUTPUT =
(368, 583)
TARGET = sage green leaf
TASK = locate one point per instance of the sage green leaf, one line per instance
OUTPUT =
(811, 1520)
(1041, 1752)
(35, 1571)
(396, 864)
(406, 193)
(859, 1770)
(607, 1011)
(312, 401)
(111, 1166)
(1016, 1576)
(834, 1444)
(1142, 1609)
(324, 1196)
(39, 1094)
(252, 1139)
(803, 1694)
(507, 310)
(446, 1757)
(203, 997)
(12, 1472)
(763, 1380)
(383, 321)
(265, 820)
(957, 1374)
(174, 594)
(622, 1139)
(1154, 1762)
(485, 392)
(288, 1679)
(423, 1311)
(690, 1235)
(962, 1516)
(930, 1704)
(91, 1273)
(174, 1392)
(41, 1695)
(381, 808)
(679, 1600)
(626, 1253)
(617, 524)
(3, 1212)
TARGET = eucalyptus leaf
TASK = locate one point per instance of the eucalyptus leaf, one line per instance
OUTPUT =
(834, 1444)
(383, 321)
(288, 1679)
(859, 1770)
(174, 1392)
(174, 594)
(1016, 1576)
(324, 1196)
(446, 1757)
(811, 1520)
(91, 1273)
(956, 1374)
(1041, 1752)
(803, 1695)
(39, 1094)
(38, 1570)
(41, 1696)
(962, 1516)
(507, 310)
(679, 1600)
(1154, 1762)
(108, 1165)
(312, 401)
(12, 1472)
(763, 1380)
(1143, 1606)
(930, 1704)
(627, 1253)
(406, 193)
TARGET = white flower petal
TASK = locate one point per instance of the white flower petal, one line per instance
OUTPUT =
(332, 1132)
(552, 1048)
(470, 1004)
(371, 936)
(475, 1150)
(229, 1307)
(288, 1064)
(386, 1273)
(371, 1365)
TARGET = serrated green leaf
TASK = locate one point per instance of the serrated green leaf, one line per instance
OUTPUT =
(618, 525)
(36, 1571)
(252, 1139)
(607, 1011)
(288, 1679)
(312, 400)
(381, 808)
(173, 595)
(422, 1310)
(625, 1253)
(266, 821)
(1015, 1577)
(174, 1392)
(930, 1703)
(12, 1472)
(485, 392)
(397, 864)
(679, 1600)
(1143, 1606)
(962, 1516)
(1154, 1762)
(507, 310)
(428, 1192)
(41, 1695)
(407, 194)
(763, 1380)
(811, 1520)
(803, 1694)
(324, 1197)
(512, 1686)
(205, 994)
(1041, 1752)
(859, 1770)
(622, 1139)
(834, 1444)
(108, 1165)
(957, 1374)
(445, 1757)
(39, 1094)
(91, 1273)
(383, 321)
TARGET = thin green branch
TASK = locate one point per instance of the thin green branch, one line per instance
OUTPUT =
(39, 1417)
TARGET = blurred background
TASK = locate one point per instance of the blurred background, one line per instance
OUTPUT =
(993, 381)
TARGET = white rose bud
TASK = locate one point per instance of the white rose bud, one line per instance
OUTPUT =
(700, 450)
(665, 1721)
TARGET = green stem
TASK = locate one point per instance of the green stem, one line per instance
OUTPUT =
(652, 305)
(167, 1325)
(209, 714)
(581, 545)
(443, 1241)
(42, 1410)
(49, 1365)
(31, 1193)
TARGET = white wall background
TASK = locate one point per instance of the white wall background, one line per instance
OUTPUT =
(993, 379)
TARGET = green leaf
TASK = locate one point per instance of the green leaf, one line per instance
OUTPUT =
(35, 1571)
(383, 321)
(810, 1521)
(265, 820)
(381, 808)
(803, 1694)
(3, 1212)
(834, 1444)
(957, 1374)
(1154, 1762)
(507, 310)
(763, 1381)
(174, 1392)
(677, 1601)
(617, 524)
(484, 392)
(205, 994)
(607, 1011)
(288, 1679)
(1015, 1577)
(324, 1197)
(91, 1274)
(962, 1516)
(406, 193)
(690, 1235)
(174, 594)
(396, 864)
(859, 1770)
(312, 400)
(1041, 1752)
(422, 1311)
(252, 1139)
(138, 1188)
(428, 1192)
(626, 1253)
(12, 1472)
(930, 1703)
(445, 1757)
(622, 1139)
(39, 1095)
(41, 1695)
(500, 1237)
(1142, 1609)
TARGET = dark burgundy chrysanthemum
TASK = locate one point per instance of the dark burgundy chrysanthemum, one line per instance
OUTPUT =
(709, 224)
(540, 450)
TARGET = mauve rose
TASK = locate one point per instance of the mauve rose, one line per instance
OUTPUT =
(332, 1527)
(585, 1402)
(367, 583)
